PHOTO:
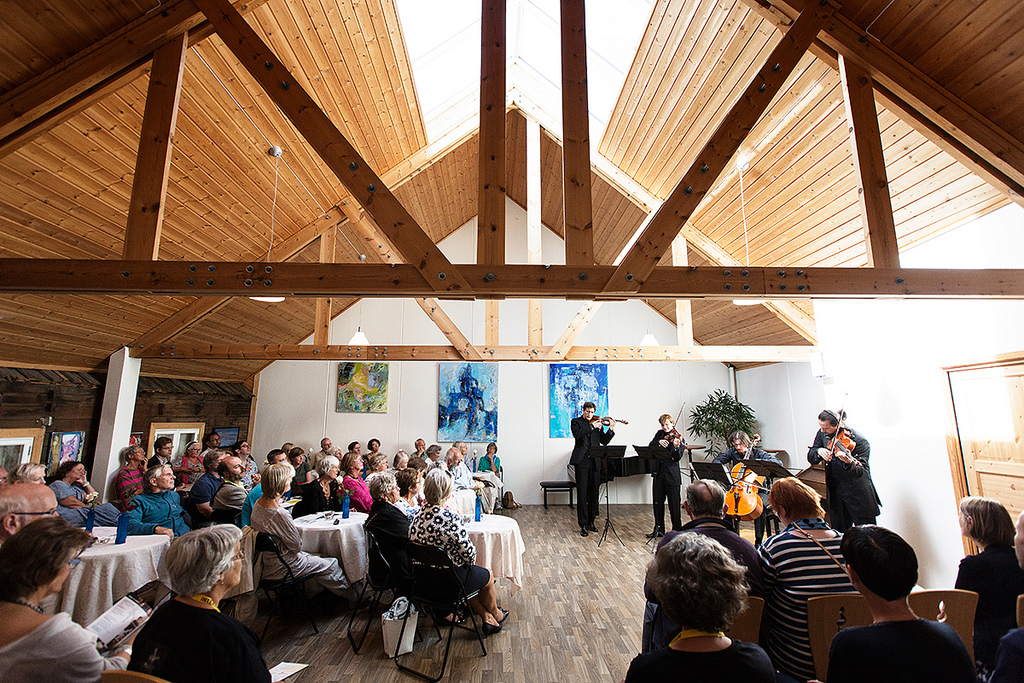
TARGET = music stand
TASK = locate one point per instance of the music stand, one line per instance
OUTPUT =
(656, 454)
(713, 470)
(602, 453)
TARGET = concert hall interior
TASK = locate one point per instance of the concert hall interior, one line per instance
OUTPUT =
(808, 205)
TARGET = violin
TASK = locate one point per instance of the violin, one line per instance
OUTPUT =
(607, 421)
(742, 499)
(841, 442)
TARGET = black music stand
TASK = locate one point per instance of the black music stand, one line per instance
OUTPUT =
(601, 453)
(656, 454)
(713, 470)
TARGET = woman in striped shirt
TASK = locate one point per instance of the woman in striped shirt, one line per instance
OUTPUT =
(128, 481)
(801, 562)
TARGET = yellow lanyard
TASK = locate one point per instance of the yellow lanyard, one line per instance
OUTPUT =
(694, 633)
(206, 600)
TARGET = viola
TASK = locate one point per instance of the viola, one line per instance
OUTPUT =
(742, 500)
(607, 420)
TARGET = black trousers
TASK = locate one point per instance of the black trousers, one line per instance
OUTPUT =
(588, 484)
(661, 490)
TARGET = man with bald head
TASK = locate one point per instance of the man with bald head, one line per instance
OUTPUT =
(22, 504)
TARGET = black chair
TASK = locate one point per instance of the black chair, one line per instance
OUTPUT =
(265, 543)
(379, 578)
(227, 516)
(437, 589)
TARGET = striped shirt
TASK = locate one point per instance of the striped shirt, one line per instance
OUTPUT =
(794, 569)
(127, 484)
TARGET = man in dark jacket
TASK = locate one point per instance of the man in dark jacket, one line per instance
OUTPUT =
(667, 478)
(588, 470)
(851, 495)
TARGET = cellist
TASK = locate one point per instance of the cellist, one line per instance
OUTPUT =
(851, 495)
(742, 450)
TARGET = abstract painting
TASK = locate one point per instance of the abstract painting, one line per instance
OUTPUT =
(65, 446)
(362, 388)
(572, 385)
(467, 402)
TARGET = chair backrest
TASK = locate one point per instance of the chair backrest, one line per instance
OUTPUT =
(1020, 611)
(434, 578)
(827, 615)
(747, 625)
(958, 605)
(266, 543)
(378, 574)
(114, 676)
(226, 516)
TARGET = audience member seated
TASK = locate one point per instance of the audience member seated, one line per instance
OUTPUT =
(322, 493)
(376, 463)
(190, 467)
(71, 486)
(490, 462)
(188, 639)
(993, 574)
(433, 458)
(326, 449)
(158, 508)
(206, 487)
(436, 525)
(401, 460)
(27, 473)
(211, 443)
(419, 464)
(355, 447)
(231, 494)
(410, 486)
(456, 461)
(700, 586)
(359, 495)
(270, 518)
(163, 449)
(22, 504)
(42, 647)
(128, 480)
(705, 504)
(273, 457)
(390, 527)
(3, 478)
(898, 646)
(373, 446)
(304, 472)
(1010, 655)
(419, 447)
(250, 470)
(803, 561)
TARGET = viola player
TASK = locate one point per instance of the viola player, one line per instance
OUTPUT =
(667, 478)
(851, 495)
(743, 449)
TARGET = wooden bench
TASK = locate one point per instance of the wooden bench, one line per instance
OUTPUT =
(558, 487)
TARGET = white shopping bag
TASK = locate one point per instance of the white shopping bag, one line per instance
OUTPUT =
(391, 624)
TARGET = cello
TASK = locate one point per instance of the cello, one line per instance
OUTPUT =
(742, 499)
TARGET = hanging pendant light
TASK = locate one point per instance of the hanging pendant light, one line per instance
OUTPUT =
(275, 152)
(741, 167)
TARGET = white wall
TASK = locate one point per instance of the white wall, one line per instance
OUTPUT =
(296, 398)
(885, 359)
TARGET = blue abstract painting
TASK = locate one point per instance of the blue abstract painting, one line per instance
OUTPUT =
(572, 385)
(467, 402)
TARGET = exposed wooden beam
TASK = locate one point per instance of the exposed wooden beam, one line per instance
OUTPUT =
(337, 152)
(535, 315)
(271, 352)
(153, 164)
(684, 310)
(322, 319)
(195, 278)
(490, 244)
(869, 166)
(577, 198)
(459, 341)
(573, 331)
(656, 238)
(122, 52)
(491, 323)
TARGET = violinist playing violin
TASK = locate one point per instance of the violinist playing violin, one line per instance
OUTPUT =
(588, 430)
(743, 448)
(851, 495)
(667, 479)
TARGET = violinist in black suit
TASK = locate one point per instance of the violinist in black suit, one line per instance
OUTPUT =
(851, 495)
(588, 432)
(667, 478)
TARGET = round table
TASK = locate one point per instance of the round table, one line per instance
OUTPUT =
(108, 572)
(344, 540)
(499, 547)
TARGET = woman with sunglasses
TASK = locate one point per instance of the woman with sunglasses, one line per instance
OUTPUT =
(35, 563)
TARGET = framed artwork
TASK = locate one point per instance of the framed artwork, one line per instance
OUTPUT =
(19, 446)
(65, 446)
(467, 402)
(228, 436)
(136, 439)
(572, 385)
(362, 388)
(180, 434)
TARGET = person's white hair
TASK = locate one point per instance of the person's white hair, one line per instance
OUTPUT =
(11, 501)
(323, 468)
(437, 487)
(381, 484)
(197, 560)
(276, 479)
(125, 452)
(23, 472)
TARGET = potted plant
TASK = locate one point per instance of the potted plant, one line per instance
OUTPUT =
(718, 416)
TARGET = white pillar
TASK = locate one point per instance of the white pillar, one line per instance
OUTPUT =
(115, 418)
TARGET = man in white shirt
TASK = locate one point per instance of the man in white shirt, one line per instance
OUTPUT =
(326, 448)
(463, 479)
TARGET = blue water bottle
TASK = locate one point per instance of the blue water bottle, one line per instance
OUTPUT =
(344, 507)
(479, 509)
(122, 528)
(90, 519)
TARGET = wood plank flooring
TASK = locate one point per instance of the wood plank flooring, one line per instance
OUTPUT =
(577, 618)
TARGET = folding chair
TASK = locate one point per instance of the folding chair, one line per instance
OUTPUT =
(437, 588)
(265, 543)
(379, 578)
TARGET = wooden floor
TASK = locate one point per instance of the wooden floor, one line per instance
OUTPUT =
(577, 618)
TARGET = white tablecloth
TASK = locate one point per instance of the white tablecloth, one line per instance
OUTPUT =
(465, 499)
(344, 540)
(499, 547)
(109, 572)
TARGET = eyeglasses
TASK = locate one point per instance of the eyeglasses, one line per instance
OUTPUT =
(74, 561)
(35, 514)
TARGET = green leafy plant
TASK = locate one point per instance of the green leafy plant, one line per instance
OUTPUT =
(719, 416)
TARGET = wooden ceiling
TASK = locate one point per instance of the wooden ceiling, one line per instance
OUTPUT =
(65, 193)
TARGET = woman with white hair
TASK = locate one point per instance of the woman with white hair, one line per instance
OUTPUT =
(390, 527)
(436, 525)
(188, 639)
(27, 473)
(322, 493)
(270, 518)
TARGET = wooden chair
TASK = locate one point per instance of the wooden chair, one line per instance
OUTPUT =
(959, 607)
(128, 677)
(827, 615)
(1020, 611)
(747, 625)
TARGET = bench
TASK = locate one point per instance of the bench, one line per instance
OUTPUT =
(557, 487)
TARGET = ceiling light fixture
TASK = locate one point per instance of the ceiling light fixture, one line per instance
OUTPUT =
(649, 339)
(275, 152)
(359, 339)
